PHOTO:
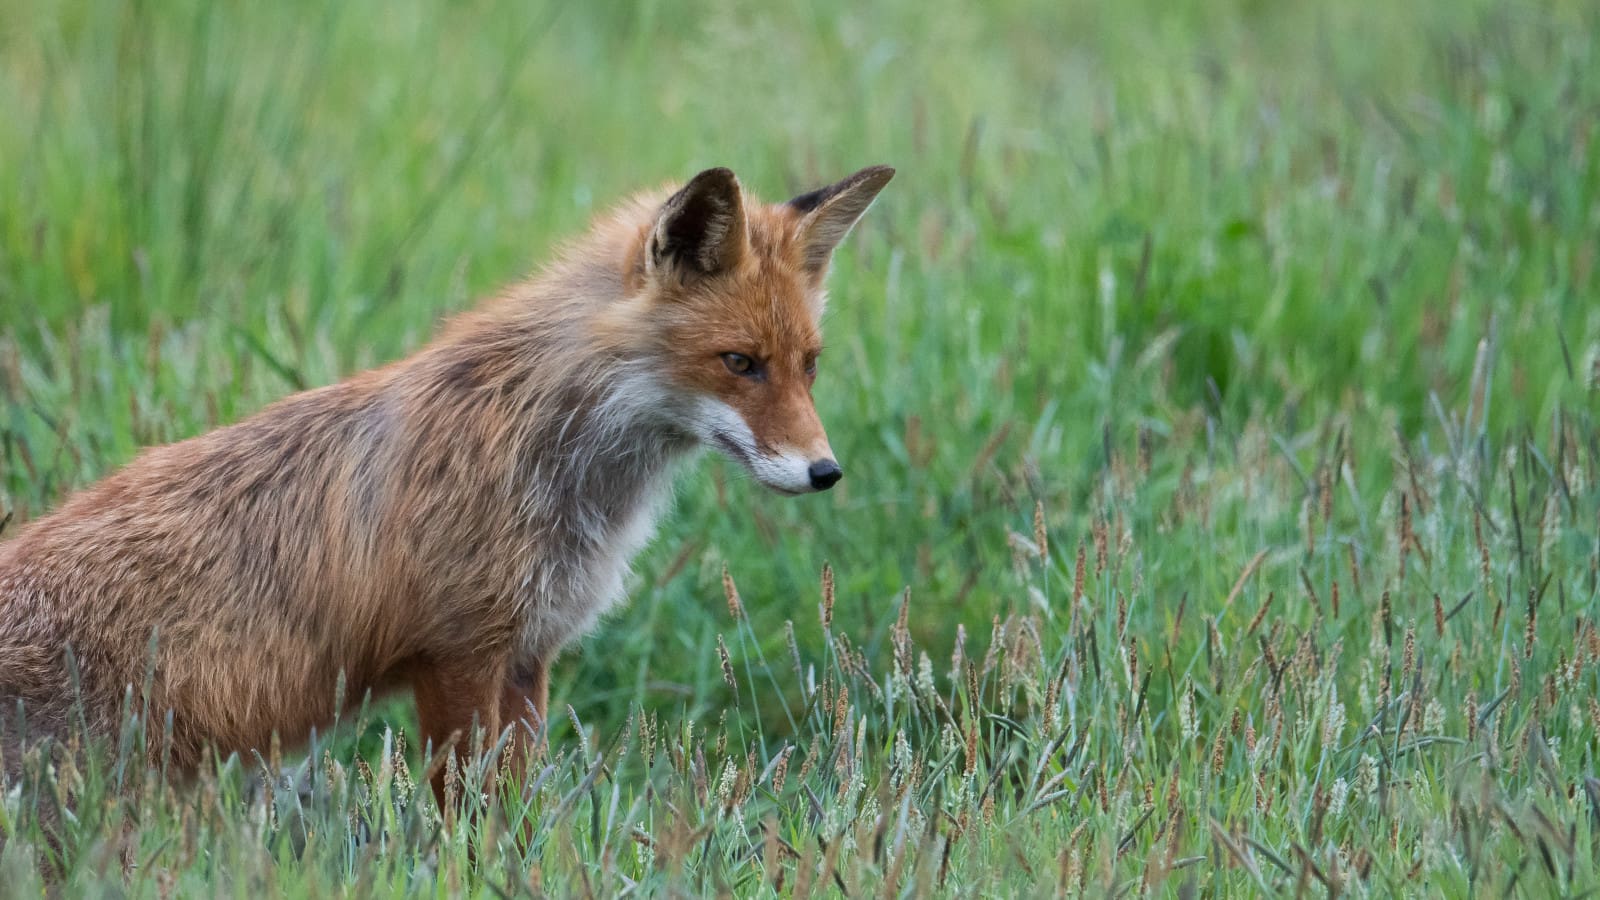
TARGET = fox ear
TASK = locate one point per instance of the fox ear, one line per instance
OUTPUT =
(832, 211)
(700, 229)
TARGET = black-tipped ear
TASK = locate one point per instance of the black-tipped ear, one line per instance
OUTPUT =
(832, 211)
(700, 229)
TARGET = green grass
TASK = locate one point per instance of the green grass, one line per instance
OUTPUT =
(1281, 322)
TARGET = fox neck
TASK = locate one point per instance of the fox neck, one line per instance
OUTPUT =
(598, 445)
(594, 480)
(578, 446)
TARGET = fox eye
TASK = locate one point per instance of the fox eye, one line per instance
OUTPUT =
(811, 369)
(739, 364)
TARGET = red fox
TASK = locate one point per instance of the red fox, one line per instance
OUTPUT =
(447, 522)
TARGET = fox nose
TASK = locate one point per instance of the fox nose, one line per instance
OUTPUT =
(825, 474)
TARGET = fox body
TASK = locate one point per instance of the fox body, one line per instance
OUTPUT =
(445, 523)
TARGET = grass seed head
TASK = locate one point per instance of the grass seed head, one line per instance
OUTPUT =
(729, 590)
(1041, 538)
(1078, 575)
(1530, 632)
(1333, 725)
(727, 665)
(827, 596)
(780, 769)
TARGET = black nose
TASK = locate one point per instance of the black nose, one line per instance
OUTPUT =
(825, 474)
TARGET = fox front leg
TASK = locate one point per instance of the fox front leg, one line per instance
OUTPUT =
(451, 704)
(525, 706)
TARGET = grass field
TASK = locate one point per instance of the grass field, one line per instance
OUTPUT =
(1218, 383)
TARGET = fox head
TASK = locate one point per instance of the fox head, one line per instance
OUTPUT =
(732, 290)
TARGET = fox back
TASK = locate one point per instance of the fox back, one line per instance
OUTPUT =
(448, 522)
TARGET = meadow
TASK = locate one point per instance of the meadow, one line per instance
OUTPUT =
(1218, 386)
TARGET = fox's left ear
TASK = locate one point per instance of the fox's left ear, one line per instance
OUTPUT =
(700, 230)
(832, 211)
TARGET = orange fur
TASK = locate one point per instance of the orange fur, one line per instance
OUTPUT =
(448, 522)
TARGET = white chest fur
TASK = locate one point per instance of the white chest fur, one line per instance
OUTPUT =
(579, 573)
(591, 506)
